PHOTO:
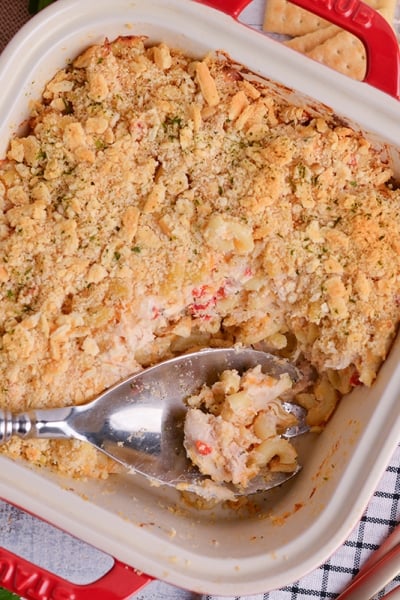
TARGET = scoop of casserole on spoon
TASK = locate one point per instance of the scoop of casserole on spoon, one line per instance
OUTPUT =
(140, 421)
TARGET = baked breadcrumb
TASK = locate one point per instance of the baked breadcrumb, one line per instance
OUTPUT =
(159, 203)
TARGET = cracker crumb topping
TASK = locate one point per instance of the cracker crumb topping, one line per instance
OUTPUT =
(160, 203)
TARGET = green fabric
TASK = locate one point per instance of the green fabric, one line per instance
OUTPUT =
(34, 7)
(4, 595)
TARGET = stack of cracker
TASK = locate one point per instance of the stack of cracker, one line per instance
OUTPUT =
(319, 39)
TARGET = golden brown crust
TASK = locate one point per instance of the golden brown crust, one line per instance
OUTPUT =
(157, 204)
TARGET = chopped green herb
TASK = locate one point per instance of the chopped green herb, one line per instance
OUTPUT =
(301, 169)
(172, 126)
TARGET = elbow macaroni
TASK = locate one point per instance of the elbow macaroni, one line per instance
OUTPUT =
(238, 435)
(160, 204)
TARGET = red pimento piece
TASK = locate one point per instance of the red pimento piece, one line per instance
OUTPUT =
(248, 272)
(138, 130)
(220, 293)
(355, 379)
(199, 292)
(203, 448)
(197, 309)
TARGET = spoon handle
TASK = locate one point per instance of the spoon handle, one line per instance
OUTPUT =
(36, 424)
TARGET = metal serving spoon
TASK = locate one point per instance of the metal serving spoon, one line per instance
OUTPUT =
(139, 422)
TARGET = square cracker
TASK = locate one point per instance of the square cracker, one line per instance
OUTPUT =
(281, 16)
(343, 52)
(308, 41)
(387, 8)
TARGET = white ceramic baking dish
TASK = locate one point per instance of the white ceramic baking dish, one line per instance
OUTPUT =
(297, 527)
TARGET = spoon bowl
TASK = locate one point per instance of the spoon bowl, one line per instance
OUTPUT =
(139, 422)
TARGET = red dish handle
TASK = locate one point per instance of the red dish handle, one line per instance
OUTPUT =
(378, 37)
(34, 583)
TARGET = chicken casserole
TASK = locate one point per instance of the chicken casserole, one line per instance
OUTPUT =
(160, 203)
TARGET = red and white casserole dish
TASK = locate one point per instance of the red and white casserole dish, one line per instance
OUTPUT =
(219, 551)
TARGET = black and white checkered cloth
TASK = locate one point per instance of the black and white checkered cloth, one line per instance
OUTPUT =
(78, 562)
(330, 579)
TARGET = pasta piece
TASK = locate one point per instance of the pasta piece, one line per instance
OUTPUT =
(238, 435)
(175, 204)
